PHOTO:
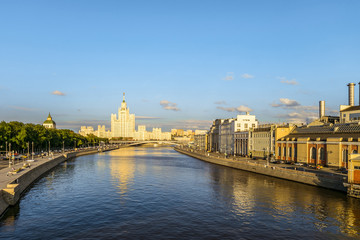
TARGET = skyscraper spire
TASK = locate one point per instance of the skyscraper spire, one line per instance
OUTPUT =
(123, 97)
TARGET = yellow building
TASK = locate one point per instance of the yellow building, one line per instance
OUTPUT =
(327, 145)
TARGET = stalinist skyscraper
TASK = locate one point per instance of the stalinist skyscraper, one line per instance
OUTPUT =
(124, 126)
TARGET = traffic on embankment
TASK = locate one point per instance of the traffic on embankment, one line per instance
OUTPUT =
(320, 178)
(14, 181)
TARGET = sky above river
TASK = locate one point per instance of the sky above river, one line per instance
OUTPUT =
(181, 64)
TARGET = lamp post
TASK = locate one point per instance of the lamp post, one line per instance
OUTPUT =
(49, 148)
(32, 151)
(63, 147)
(10, 155)
(74, 144)
(28, 146)
(6, 152)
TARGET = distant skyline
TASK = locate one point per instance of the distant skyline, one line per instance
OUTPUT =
(182, 64)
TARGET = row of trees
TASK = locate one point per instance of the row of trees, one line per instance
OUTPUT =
(21, 135)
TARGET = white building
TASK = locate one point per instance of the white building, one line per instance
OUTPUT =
(245, 122)
(124, 124)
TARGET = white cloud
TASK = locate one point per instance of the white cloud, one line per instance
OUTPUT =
(58, 93)
(286, 103)
(167, 105)
(299, 117)
(289, 82)
(229, 76)
(241, 108)
(247, 76)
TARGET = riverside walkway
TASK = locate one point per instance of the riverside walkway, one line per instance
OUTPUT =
(326, 177)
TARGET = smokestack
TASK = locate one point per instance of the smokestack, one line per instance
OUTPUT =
(351, 94)
(321, 109)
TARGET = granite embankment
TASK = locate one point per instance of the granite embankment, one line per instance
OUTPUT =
(316, 177)
(13, 185)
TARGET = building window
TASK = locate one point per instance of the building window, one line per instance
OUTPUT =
(279, 151)
(246, 125)
(290, 152)
(285, 151)
(253, 125)
(355, 152)
(344, 155)
(322, 154)
(295, 151)
(313, 153)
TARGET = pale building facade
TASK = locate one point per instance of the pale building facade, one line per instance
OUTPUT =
(123, 125)
(245, 122)
(262, 140)
(226, 137)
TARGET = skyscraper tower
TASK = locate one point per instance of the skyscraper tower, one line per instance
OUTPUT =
(123, 125)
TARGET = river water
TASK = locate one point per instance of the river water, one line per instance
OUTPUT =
(157, 193)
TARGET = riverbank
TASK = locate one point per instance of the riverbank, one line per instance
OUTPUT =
(316, 177)
(12, 185)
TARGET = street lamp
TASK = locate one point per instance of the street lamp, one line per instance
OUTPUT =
(32, 151)
(28, 146)
(49, 148)
(10, 155)
(63, 147)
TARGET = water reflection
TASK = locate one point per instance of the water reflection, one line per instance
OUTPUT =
(122, 168)
(287, 202)
(165, 195)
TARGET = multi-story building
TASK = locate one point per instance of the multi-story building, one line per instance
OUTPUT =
(214, 136)
(241, 143)
(262, 139)
(226, 136)
(325, 142)
(86, 130)
(245, 122)
(327, 145)
(124, 124)
(201, 141)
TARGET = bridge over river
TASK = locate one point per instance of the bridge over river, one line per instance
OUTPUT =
(138, 143)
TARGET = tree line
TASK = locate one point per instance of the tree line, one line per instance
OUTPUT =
(21, 136)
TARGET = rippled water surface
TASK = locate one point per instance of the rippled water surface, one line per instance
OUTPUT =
(157, 193)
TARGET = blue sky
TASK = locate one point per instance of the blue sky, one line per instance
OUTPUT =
(181, 64)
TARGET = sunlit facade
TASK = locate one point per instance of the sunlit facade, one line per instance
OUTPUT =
(123, 125)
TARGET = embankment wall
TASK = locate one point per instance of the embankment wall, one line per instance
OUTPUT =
(330, 181)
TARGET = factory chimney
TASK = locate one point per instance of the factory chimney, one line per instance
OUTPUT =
(321, 109)
(351, 93)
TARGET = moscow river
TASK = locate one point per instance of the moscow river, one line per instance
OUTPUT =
(157, 193)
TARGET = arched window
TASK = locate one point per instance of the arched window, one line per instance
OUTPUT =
(322, 154)
(313, 153)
